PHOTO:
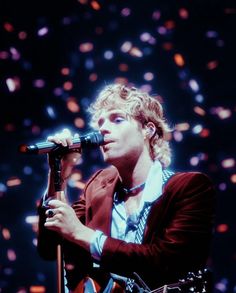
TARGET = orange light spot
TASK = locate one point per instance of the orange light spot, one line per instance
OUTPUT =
(199, 111)
(37, 289)
(179, 60)
(136, 52)
(65, 71)
(79, 122)
(14, 181)
(72, 105)
(86, 47)
(95, 5)
(6, 234)
(182, 126)
(67, 85)
(233, 178)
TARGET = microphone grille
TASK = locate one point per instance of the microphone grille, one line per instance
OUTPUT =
(97, 138)
(92, 139)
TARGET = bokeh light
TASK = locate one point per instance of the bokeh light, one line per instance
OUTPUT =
(54, 58)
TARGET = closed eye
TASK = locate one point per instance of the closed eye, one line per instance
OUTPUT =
(118, 119)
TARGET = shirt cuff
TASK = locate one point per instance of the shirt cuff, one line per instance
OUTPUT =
(96, 245)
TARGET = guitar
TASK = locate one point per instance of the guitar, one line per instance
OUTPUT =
(194, 282)
(198, 282)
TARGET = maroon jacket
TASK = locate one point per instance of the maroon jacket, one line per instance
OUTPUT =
(176, 239)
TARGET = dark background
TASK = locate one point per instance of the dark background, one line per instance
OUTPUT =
(44, 74)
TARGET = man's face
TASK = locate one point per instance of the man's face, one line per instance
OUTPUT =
(123, 136)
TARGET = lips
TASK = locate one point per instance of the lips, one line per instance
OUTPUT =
(107, 141)
(106, 144)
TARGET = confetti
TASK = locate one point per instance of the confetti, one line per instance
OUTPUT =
(72, 105)
(52, 66)
(43, 31)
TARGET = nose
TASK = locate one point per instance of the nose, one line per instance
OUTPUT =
(105, 128)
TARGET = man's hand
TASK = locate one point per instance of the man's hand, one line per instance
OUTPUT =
(65, 138)
(62, 219)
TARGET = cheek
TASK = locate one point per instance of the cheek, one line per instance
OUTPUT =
(134, 142)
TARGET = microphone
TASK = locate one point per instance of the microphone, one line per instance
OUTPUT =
(93, 139)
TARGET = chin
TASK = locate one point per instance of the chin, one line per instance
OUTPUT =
(113, 160)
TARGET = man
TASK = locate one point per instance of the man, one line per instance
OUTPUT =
(135, 218)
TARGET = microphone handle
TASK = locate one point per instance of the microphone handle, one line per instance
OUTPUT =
(47, 147)
(92, 139)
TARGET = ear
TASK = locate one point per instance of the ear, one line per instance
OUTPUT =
(149, 130)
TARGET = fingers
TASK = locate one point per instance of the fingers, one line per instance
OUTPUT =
(64, 138)
(60, 217)
(54, 216)
(50, 213)
(56, 207)
(56, 203)
(53, 219)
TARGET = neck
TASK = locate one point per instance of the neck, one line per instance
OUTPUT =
(134, 173)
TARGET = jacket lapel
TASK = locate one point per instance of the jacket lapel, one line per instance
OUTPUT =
(100, 210)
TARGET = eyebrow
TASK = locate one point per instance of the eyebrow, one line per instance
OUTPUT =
(117, 111)
(111, 113)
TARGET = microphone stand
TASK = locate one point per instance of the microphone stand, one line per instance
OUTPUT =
(60, 195)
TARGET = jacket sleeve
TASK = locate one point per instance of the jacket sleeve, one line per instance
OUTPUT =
(181, 237)
(47, 240)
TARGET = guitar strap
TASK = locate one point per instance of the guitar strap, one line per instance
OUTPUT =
(166, 174)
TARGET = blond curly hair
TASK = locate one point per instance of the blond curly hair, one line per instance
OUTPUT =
(143, 108)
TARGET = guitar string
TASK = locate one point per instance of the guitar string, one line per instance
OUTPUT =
(159, 290)
(175, 286)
